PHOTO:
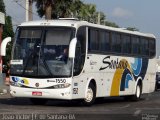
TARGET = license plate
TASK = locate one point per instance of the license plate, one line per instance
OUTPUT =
(36, 93)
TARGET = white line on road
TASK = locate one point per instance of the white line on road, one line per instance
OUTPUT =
(137, 112)
(148, 108)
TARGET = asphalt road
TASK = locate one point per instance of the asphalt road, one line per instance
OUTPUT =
(148, 108)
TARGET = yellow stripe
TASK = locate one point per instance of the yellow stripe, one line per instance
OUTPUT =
(115, 88)
(116, 82)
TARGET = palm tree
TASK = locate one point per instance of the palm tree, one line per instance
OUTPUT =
(45, 7)
(62, 8)
(75, 8)
(88, 12)
(57, 8)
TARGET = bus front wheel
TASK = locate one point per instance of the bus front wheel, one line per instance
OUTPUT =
(90, 95)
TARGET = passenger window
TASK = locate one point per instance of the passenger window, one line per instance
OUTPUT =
(135, 45)
(116, 43)
(93, 39)
(126, 41)
(152, 48)
(144, 47)
(104, 41)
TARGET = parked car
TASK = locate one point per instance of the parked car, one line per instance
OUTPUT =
(157, 86)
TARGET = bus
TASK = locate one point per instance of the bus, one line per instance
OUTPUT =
(76, 60)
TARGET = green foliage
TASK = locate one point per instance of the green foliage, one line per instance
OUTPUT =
(60, 8)
(8, 29)
(72, 8)
(132, 29)
(88, 13)
(111, 24)
(42, 6)
(2, 7)
(7, 32)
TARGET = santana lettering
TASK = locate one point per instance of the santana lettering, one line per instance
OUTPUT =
(113, 64)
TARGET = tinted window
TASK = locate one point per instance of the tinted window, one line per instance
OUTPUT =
(135, 45)
(126, 41)
(104, 41)
(144, 47)
(152, 47)
(116, 42)
(93, 39)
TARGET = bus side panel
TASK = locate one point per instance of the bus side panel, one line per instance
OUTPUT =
(115, 75)
(149, 80)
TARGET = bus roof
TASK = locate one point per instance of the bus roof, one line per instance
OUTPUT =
(76, 23)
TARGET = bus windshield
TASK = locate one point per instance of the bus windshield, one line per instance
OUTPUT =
(42, 52)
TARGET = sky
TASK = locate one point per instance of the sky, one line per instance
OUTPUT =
(142, 14)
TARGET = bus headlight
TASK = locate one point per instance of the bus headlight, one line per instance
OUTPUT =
(61, 86)
(15, 84)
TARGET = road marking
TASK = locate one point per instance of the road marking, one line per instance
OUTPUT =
(126, 106)
(120, 107)
(137, 112)
(148, 108)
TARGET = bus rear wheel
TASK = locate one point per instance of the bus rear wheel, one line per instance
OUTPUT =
(90, 95)
(38, 101)
(138, 93)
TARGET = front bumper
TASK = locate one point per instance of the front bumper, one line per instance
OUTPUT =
(62, 93)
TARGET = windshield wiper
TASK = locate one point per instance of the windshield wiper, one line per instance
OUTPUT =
(44, 62)
(47, 68)
(32, 53)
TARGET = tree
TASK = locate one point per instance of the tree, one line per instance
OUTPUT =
(111, 24)
(88, 13)
(2, 7)
(52, 9)
(69, 8)
(62, 9)
(132, 29)
(45, 7)
(7, 32)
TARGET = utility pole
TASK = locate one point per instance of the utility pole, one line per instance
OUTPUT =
(99, 18)
(30, 10)
(29, 16)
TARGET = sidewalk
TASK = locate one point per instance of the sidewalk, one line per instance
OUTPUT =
(4, 84)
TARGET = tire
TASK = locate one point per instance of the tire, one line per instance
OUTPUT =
(156, 87)
(37, 101)
(138, 93)
(90, 95)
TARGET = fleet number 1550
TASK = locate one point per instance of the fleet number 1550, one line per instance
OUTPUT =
(60, 80)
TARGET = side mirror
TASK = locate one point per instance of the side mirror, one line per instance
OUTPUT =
(72, 47)
(4, 45)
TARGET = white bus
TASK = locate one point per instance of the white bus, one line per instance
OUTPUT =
(71, 59)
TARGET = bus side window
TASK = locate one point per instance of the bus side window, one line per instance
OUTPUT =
(104, 38)
(116, 42)
(93, 35)
(126, 44)
(135, 45)
(145, 47)
(152, 48)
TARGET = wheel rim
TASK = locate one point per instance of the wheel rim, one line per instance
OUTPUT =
(89, 95)
(138, 91)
